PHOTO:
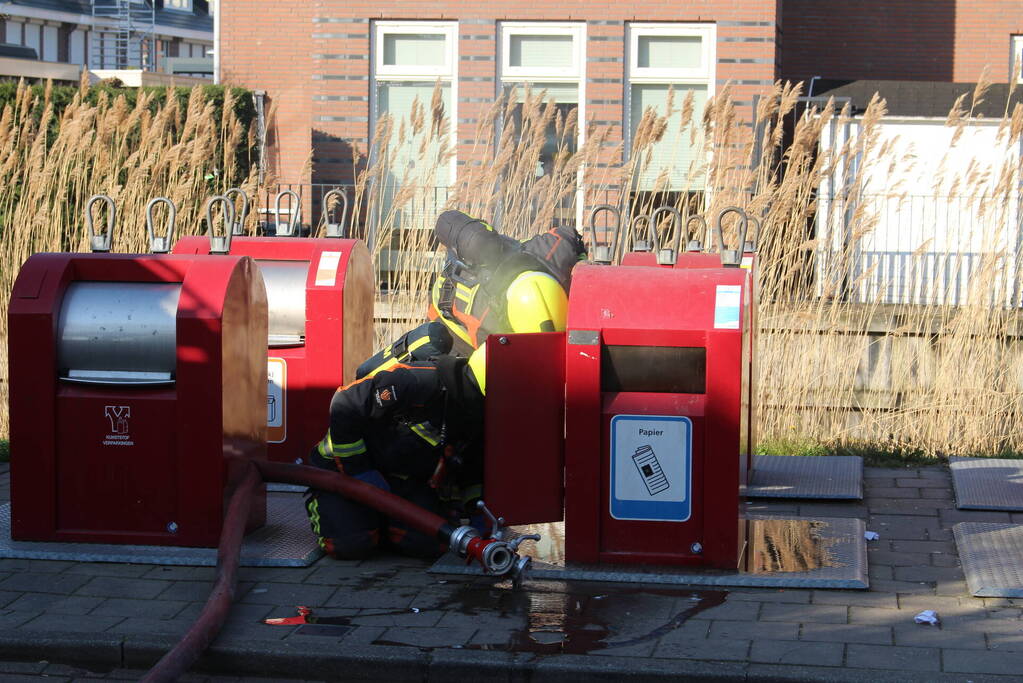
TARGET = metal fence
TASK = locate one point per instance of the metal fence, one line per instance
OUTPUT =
(919, 249)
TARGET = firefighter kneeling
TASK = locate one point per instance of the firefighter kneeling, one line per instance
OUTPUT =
(412, 423)
(415, 430)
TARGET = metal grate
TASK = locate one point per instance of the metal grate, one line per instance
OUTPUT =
(842, 536)
(830, 477)
(992, 558)
(987, 483)
(284, 541)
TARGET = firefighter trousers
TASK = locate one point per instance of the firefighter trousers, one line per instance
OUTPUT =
(351, 531)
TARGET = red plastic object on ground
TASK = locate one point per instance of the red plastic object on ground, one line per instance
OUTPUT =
(135, 383)
(320, 297)
(656, 415)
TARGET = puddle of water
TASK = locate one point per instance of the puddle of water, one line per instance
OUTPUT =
(788, 545)
(565, 617)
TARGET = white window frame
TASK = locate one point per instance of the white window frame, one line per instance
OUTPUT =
(548, 74)
(382, 71)
(705, 72)
(517, 75)
(1016, 53)
(424, 74)
(635, 75)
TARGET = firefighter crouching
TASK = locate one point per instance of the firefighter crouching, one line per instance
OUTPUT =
(412, 422)
(414, 429)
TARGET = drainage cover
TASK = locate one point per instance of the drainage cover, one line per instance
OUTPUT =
(987, 483)
(992, 558)
(284, 541)
(831, 477)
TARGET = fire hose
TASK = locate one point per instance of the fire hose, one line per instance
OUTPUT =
(495, 555)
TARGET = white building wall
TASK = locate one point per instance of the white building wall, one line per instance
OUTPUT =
(936, 219)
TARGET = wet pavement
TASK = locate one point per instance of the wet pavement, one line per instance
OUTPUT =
(387, 619)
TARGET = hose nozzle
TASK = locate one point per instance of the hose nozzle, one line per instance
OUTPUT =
(495, 555)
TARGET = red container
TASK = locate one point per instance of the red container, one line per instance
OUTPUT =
(136, 383)
(639, 258)
(320, 294)
(656, 413)
(524, 462)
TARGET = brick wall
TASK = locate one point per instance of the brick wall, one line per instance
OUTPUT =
(937, 40)
(266, 46)
(312, 59)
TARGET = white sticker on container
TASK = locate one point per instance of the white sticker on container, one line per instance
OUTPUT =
(747, 261)
(326, 269)
(727, 303)
(276, 399)
(651, 467)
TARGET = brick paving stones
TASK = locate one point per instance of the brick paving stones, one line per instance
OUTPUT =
(398, 622)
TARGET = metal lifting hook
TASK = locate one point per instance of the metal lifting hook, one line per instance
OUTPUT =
(604, 254)
(696, 244)
(238, 226)
(335, 229)
(220, 244)
(296, 214)
(101, 243)
(731, 257)
(641, 245)
(161, 245)
(669, 255)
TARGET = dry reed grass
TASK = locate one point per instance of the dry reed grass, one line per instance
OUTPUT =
(837, 365)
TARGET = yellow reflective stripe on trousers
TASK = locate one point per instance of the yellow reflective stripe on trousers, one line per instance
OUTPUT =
(313, 508)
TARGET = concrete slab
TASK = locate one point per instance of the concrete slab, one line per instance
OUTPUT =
(284, 541)
(829, 477)
(785, 552)
(992, 558)
(987, 483)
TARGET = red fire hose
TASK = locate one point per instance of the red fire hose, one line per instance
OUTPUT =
(496, 556)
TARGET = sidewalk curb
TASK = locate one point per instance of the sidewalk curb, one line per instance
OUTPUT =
(279, 658)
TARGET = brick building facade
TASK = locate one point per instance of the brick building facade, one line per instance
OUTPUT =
(320, 61)
(938, 40)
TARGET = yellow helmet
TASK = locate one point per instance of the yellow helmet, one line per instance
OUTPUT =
(537, 303)
(478, 367)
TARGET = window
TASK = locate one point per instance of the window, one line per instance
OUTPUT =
(76, 47)
(50, 39)
(411, 62)
(1016, 56)
(179, 5)
(13, 32)
(666, 64)
(33, 33)
(551, 58)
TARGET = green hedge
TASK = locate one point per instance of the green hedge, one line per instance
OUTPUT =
(62, 95)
